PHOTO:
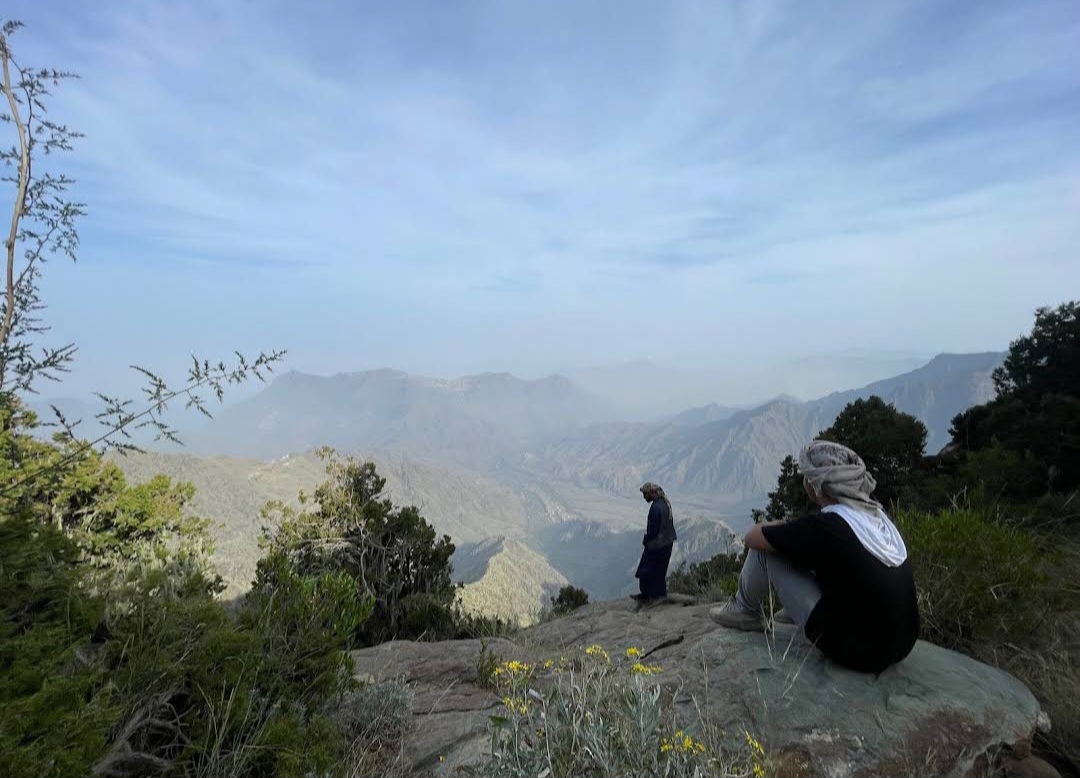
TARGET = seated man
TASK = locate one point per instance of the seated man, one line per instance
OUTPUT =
(659, 538)
(841, 574)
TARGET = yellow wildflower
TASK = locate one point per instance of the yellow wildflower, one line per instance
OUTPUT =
(639, 669)
(516, 706)
(755, 745)
(665, 747)
(548, 664)
(759, 771)
(598, 651)
(633, 653)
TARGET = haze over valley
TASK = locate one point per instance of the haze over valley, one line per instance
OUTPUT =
(535, 480)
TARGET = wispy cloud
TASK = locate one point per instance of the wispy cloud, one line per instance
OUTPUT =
(585, 156)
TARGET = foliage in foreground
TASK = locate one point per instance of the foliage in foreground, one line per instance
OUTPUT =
(591, 715)
(115, 654)
(711, 580)
(983, 582)
(1006, 594)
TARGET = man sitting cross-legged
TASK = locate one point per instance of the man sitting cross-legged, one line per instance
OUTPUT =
(841, 574)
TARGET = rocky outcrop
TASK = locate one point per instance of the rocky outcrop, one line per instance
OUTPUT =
(936, 713)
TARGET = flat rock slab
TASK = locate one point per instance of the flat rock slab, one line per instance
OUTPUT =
(936, 713)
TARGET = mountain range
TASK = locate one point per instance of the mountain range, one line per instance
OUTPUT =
(730, 458)
(643, 390)
(478, 420)
(534, 480)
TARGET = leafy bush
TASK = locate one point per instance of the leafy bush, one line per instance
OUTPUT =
(569, 599)
(213, 695)
(713, 580)
(982, 582)
(592, 716)
(391, 554)
(1006, 594)
(486, 663)
(54, 712)
(115, 655)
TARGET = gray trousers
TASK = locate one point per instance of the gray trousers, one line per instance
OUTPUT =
(797, 589)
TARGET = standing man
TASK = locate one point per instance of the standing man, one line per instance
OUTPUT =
(659, 538)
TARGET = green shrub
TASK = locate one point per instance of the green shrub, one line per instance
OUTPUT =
(55, 714)
(713, 580)
(392, 554)
(172, 679)
(470, 626)
(569, 599)
(486, 662)
(982, 582)
(1004, 593)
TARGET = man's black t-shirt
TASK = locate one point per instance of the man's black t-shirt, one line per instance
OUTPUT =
(868, 615)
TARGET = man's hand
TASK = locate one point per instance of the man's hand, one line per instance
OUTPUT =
(755, 538)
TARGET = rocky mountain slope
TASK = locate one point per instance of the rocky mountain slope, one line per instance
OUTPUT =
(736, 458)
(503, 577)
(231, 493)
(509, 570)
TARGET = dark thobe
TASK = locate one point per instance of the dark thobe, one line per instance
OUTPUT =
(659, 538)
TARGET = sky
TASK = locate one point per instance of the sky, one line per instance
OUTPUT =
(456, 187)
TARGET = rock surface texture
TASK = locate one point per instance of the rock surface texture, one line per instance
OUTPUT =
(936, 713)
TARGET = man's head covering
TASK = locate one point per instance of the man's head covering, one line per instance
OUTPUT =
(656, 489)
(837, 472)
(649, 486)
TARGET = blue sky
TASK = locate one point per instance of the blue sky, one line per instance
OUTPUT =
(449, 187)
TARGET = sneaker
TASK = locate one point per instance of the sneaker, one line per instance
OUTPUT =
(731, 615)
(781, 617)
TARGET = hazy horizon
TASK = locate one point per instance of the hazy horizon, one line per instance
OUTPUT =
(450, 189)
(636, 391)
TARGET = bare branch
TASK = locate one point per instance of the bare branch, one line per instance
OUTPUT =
(18, 208)
(119, 420)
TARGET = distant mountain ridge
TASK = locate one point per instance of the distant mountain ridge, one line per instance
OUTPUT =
(738, 456)
(535, 483)
(478, 419)
(642, 390)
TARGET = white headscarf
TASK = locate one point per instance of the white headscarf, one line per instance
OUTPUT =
(837, 472)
